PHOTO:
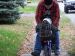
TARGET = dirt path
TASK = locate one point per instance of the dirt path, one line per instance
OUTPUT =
(27, 45)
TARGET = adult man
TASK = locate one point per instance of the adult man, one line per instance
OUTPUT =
(53, 8)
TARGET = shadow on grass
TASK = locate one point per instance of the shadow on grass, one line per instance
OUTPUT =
(6, 23)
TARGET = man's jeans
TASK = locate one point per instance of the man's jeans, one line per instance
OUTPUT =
(38, 46)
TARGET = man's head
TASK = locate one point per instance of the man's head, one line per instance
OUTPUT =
(48, 2)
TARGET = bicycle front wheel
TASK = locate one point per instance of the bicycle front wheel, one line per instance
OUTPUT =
(47, 50)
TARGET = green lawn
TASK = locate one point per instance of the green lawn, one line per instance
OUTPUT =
(9, 42)
(28, 9)
(11, 36)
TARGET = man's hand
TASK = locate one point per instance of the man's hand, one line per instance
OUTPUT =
(54, 28)
(38, 27)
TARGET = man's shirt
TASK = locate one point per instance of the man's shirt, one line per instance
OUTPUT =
(54, 13)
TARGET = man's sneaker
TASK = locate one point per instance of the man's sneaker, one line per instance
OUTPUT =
(53, 48)
(35, 54)
(57, 53)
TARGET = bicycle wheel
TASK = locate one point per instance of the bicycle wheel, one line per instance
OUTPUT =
(47, 49)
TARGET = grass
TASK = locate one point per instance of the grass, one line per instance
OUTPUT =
(11, 36)
(8, 42)
(27, 9)
(67, 35)
(64, 22)
(72, 49)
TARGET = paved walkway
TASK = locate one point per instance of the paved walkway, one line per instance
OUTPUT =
(28, 15)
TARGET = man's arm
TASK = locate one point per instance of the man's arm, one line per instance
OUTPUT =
(38, 14)
(56, 15)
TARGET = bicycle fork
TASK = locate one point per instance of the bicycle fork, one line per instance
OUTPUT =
(49, 48)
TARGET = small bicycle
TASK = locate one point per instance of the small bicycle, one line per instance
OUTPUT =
(45, 31)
